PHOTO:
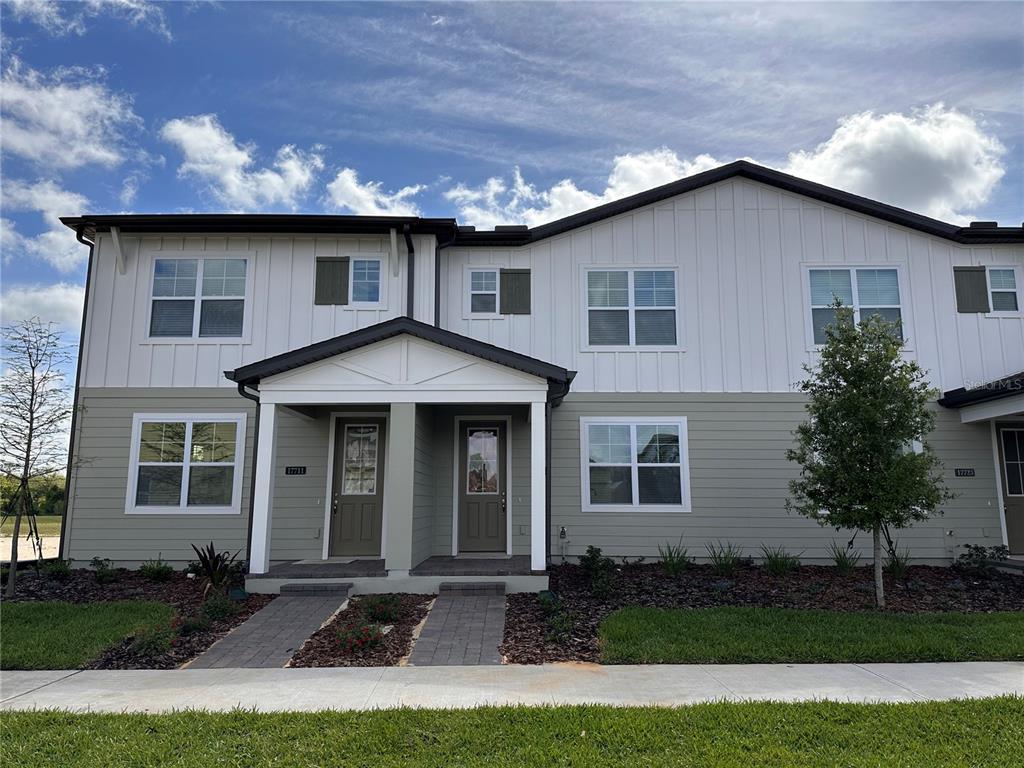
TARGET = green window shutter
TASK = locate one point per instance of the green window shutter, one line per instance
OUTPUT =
(971, 289)
(331, 281)
(515, 292)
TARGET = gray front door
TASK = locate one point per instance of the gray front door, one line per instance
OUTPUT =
(357, 504)
(482, 487)
(1011, 461)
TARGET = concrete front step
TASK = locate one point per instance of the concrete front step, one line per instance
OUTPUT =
(300, 589)
(472, 588)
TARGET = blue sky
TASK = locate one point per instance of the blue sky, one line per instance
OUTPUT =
(517, 113)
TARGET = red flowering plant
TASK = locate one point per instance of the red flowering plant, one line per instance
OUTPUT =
(360, 637)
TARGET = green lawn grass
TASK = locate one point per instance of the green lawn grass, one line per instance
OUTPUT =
(49, 525)
(754, 635)
(55, 635)
(980, 732)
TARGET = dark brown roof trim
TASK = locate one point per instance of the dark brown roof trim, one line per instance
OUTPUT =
(748, 170)
(559, 379)
(258, 222)
(994, 390)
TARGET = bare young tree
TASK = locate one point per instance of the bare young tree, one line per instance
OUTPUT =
(34, 410)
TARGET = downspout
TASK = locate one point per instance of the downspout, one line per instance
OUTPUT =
(410, 286)
(437, 276)
(243, 391)
(62, 546)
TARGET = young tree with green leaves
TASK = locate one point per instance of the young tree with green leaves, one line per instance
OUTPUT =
(864, 461)
(34, 410)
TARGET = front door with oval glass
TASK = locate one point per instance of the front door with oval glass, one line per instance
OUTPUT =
(357, 492)
(482, 487)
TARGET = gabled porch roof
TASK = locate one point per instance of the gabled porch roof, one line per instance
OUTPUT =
(559, 379)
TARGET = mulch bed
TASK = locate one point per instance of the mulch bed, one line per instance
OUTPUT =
(324, 649)
(181, 592)
(924, 589)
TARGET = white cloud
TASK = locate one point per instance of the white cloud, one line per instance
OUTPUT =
(57, 245)
(60, 303)
(59, 19)
(130, 188)
(213, 155)
(935, 161)
(494, 202)
(347, 193)
(65, 120)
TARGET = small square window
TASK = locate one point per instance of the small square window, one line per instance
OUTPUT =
(366, 280)
(483, 291)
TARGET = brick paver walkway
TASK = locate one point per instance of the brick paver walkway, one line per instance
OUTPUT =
(272, 635)
(464, 627)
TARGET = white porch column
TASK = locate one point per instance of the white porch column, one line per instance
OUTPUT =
(263, 490)
(538, 486)
(399, 474)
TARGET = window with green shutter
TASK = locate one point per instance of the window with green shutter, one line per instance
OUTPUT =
(331, 281)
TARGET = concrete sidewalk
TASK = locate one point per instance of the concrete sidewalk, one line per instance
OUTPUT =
(275, 690)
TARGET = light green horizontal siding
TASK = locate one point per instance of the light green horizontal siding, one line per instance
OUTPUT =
(739, 481)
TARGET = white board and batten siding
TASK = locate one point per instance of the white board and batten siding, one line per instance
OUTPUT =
(280, 315)
(742, 250)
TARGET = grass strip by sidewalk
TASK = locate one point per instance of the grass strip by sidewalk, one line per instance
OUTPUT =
(979, 732)
(778, 635)
(56, 635)
(49, 525)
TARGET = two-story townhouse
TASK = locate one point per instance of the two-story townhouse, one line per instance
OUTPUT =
(393, 401)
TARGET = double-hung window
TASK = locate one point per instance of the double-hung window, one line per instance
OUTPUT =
(198, 298)
(868, 290)
(631, 307)
(365, 281)
(634, 464)
(186, 463)
(483, 291)
(1002, 286)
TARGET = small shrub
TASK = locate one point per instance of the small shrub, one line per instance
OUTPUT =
(674, 558)
(218, 569)
(58, 570)
(897, 562)
(777, 561)
(154, 641)
(381, 608)
(103, 571)
(559, 627)
(189, 625)
(978, 560)
(845, 559)
(156, 570)
(725, 558)
(360, 637)
(548, 602)
(218, 607)
(599, 570)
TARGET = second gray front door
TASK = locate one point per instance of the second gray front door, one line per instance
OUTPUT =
(1011, 459)
(357, 504)
(482, 487)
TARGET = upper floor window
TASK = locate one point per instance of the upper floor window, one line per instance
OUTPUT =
(634, 464)
(344, 280)
(631, 307)
(198, 298)
(868, 290)
(483, 291)
(495, 292)
(186, 463)
(1002, 286)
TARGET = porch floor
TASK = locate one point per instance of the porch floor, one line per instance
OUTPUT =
(326, 570)
(440, 565)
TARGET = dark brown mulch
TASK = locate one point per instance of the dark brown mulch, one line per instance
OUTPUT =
(324, 649)
(184, 647)
(181, 592)
(925, 588)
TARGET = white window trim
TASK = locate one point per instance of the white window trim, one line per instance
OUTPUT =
(467, 293)
(195, 338)
(904, 307)
(1018, 272)
(634, 421)
(131, 508)
(376, 460)
(585, 344)
(381, 302)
